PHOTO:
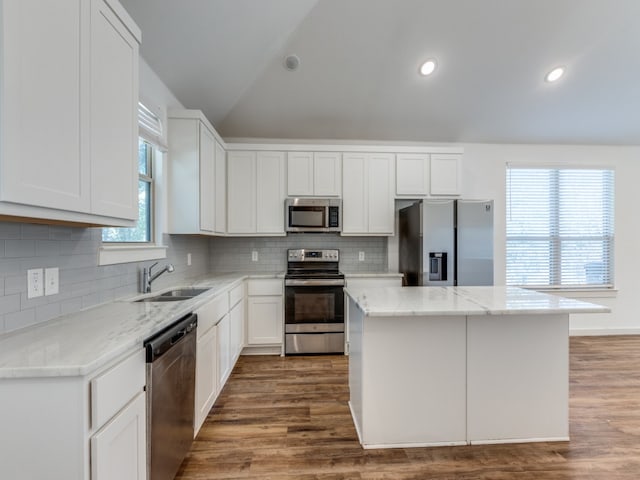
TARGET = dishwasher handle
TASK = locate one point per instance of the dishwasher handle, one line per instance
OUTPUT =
(160, 343)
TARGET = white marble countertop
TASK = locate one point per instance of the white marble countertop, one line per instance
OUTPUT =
(430, 301)
(82, 342)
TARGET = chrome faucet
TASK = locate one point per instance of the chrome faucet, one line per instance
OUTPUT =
(148, 278)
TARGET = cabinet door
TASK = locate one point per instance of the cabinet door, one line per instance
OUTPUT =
(445, 174)
(241, 193)
(207, 179)
(327, 174)
(264, 321)
(118, 450)
(380, 193)
(300, 174)
(354, 200)
(220, 189)
(206, 377)
(270, 192)
(236, 318)
(224, 352)
(412, 174)
(113, 129)
(42, 163)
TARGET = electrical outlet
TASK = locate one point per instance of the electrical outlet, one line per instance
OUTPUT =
(361, 256)
(51, 281)
(254, 256)
(188, 259)
(34, 283)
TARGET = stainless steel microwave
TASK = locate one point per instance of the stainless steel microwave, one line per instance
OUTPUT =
(313, 215)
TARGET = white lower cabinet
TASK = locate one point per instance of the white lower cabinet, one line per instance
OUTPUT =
(208, 348)
(236, 322)
(265, 312)
(76, 427)
(118, 450)
(224, 350)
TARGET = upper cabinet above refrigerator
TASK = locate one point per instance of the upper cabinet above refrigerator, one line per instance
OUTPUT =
(423, 174)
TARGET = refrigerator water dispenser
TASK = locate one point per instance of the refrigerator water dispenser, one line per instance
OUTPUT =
(437, 266)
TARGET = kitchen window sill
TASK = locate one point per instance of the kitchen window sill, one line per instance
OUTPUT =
(112, 254)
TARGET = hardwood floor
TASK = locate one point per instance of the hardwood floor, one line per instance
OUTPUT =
(288, 418)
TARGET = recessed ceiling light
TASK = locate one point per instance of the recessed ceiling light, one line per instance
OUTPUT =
(428, 67)
(554, 74)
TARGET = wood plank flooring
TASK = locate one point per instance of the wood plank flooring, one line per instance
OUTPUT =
(288, 418)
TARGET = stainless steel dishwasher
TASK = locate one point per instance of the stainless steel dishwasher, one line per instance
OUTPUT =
(171, 370)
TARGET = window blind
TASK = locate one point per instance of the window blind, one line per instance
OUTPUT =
(150, 127)
(560, 227)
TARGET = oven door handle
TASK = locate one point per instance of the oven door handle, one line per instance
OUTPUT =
(317, 282)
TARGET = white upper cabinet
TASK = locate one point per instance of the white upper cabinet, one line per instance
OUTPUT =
(68, 104)
(270, 192)
(207, 179)
(195, 156)
(445, 174)
(241, 192)
(412, 174)
(367, 194)
(316, 174)
(50, 171)
(256, 193)
(114, 115)
(221, 190)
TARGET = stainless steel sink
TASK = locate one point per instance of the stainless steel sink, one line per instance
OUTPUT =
(177, 295)
(184, 292)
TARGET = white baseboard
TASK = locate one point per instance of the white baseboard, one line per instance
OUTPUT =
(590, 332)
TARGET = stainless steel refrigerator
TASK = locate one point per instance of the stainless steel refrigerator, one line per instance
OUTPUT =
(446, 242)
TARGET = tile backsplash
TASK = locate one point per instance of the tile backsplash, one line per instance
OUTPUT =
(234, 254)
(82, 283)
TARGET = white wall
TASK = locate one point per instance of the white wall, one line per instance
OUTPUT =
(484, 168)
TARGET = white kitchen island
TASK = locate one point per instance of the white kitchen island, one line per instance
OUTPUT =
(433, 366)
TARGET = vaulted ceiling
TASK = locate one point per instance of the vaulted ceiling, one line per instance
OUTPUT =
(359, 59)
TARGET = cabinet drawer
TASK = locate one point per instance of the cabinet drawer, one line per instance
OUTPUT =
(235, 295)
(211, 313)
(114, 388)
(266, 287)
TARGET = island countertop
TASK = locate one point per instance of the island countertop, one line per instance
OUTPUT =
(493, 300)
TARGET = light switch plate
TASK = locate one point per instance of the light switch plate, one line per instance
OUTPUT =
(361, 256)
(254, 256)
(51, 281)
(35, 283)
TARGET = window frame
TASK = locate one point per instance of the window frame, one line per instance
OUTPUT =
(126, 252)
(555, 239)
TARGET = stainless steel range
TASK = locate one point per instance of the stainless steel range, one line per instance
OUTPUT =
(314, 303)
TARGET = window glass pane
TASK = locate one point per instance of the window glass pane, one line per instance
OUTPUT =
(584, 263)
(528, 262)
(583, 205)
(529, 202)
(560, 226)
(142, 231)
(144, 157)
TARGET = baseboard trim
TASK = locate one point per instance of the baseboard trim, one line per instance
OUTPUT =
(592, 332)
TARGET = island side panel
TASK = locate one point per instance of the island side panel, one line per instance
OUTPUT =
(413, 381)
(356, 318)
(518, 378)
